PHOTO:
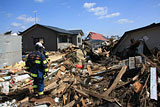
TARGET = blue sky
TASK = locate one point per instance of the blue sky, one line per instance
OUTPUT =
(108, 17)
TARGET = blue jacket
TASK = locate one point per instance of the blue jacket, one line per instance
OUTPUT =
(36, 64)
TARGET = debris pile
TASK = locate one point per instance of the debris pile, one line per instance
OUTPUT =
(86, 77)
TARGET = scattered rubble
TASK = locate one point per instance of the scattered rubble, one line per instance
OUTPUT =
(86, 77)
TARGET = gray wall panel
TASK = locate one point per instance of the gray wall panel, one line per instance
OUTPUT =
(10, 50)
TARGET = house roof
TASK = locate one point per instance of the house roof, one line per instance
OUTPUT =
(59, 30)
(77, 31)
(142, 28)
(96, 36)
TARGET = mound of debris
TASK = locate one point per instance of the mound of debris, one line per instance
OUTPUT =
(86, 77)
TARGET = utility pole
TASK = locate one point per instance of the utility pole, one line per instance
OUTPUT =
(35, 16)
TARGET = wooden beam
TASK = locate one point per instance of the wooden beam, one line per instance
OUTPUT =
(73, 103)
(64, 100)
(128, 82)
(51, 86)
(69, 96)
(89, 69)
(113, 86)
(83, 103)
(97, 95)
(81, 92)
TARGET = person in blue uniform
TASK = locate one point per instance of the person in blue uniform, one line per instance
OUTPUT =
(40, 45)
(36, 64)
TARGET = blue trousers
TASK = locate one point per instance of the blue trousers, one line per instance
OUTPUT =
(40, 83)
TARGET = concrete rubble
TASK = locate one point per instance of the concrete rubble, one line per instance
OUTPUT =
(87, 77)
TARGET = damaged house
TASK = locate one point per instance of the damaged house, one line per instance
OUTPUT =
(143, 39)
(96, 39)
(54, 38)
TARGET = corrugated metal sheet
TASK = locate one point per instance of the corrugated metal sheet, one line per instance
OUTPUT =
(10, 49)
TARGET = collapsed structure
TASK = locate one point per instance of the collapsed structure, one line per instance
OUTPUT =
(88, 77)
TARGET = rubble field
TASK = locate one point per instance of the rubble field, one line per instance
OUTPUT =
(86, 78)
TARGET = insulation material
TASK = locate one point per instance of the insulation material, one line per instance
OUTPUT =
(10, 50)
(4, 87)
(153, 84)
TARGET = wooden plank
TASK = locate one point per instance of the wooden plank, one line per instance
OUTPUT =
(58, 74)
(64, 100)
(128, 82)
(23, 100)
(81, 92)
(144, 85)
(69, 96)
(83, 103)
(76, 98)
(51, 86)
(62, 88)
(89, 69)
(62, 68)
(70, 104)
(113, 86)
(97, 95)
(153, 83)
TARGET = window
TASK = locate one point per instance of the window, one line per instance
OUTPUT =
(65, 39)
(79, 40)
(70, 39)
(35, 40)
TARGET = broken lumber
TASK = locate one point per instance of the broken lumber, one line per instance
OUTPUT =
(89, 69)
(153, 64)
(97, 95)
(113, 86)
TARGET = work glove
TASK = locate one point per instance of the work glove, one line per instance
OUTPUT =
(46, 74)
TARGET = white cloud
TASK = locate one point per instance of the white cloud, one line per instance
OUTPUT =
(113, 14)
(27, 19)
(40, 1)
(110, 15)
(18, 25)
(15, 24)
(123, 21)
(88, 5)
(101, 12)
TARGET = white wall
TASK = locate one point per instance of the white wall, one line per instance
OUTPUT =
(10, 50)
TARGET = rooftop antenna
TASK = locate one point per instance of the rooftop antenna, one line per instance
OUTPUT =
(35, 16)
